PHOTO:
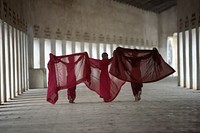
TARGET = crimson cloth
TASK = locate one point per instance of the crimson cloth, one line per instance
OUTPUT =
(102, 82)
(139, 66)
(107, 76)
(65, 72)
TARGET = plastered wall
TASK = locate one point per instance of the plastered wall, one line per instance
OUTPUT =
(91, 21)
(167, 27)
(96, 21)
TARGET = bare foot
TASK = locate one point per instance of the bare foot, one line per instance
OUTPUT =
(71, 100)
(138, 96)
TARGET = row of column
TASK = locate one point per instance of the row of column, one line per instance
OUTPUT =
(13, 62)
(42, 48)
(189, 58)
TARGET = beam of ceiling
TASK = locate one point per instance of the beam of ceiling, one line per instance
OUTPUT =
(156, 6)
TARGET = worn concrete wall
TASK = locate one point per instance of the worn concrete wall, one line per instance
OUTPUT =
(37, 78)
(16, 5)
(96, 20)
(189, 20)
(167, 27)
(188, 14)
(12, 13)
(186, 8)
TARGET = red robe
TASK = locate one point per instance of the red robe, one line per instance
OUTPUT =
(105, 77)
(139, 66)
(102, 82)
(65, 72)
(71, 77)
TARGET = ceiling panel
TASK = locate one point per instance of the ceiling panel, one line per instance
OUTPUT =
(156, 6)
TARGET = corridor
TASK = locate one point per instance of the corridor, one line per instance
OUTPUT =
(164, 108)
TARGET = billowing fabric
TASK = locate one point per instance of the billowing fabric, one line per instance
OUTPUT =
(139, 66)
(106, 76)
(102, 82)
(65, 72)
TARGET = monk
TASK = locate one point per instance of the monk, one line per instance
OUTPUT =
(138, 67)
(66, 72)
(71, 92)
(135, 86)
(103, 83)
(104, 77)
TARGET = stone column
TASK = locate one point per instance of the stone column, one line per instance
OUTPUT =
(82, 47)
(3, 84)
(12, 61)
(53, 46)
(6, 63)
(73, 47)
(8, 69)
(22, 61)
(30, 46)
(90, 49)
(42, 53)
(16, 63)
(98, 52)
(184, 60)
(19, 61)
(25, 62)
(63, 47)
(198, 58)
(190, 59)
(194, 58)
(179, 37)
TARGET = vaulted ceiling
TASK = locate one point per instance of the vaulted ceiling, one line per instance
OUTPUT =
(156, 6)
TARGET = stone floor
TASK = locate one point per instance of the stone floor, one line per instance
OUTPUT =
(164, 108)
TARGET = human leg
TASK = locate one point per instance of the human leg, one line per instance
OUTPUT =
(137, 90)
(71, 93)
